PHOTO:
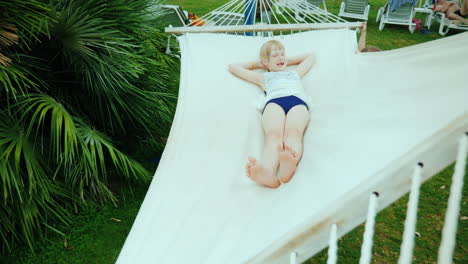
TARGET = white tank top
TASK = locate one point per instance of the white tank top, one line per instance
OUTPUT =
(281, 84)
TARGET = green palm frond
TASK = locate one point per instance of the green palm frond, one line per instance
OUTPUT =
(20, 22)
(30, 17)
(17, 157)
(89, 173)
(128, 16)
(100, 147)
(17, 79)
(39, 109)
(84, 34)
(28, 192)
(101, 57)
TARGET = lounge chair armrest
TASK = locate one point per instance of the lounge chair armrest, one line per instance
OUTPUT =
(342, 7)
(440, 14)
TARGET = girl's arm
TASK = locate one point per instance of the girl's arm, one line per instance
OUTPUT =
(362, 38)
(305, 63)
(245, 72)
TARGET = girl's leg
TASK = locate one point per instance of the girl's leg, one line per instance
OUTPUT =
(297, 120)
(264, 172)
(451, 15)
(455, 16)
(441, 7)
(464, 8)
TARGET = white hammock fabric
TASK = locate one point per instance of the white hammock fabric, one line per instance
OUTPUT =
(374, 117)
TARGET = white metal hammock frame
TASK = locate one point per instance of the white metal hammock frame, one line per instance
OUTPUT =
(297, 15)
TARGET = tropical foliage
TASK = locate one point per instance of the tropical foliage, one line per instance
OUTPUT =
(82, 84)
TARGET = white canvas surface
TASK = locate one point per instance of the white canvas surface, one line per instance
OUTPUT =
(368, 110)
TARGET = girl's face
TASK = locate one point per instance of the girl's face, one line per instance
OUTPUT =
(276, 60)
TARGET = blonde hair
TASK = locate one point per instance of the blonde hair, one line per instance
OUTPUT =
(267, 47)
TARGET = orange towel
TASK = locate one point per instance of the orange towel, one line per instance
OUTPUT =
(195, 20)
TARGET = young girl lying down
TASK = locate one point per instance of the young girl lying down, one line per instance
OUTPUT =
(285, 114)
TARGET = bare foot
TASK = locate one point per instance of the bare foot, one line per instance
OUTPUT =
(288, 163)
(260, 174)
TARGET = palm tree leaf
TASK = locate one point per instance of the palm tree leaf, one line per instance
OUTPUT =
(16, 79)
(30, 17)
(41, 108)
(28, 192)
(98, 144)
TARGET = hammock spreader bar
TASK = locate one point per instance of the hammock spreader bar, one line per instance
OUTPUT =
(261, 28)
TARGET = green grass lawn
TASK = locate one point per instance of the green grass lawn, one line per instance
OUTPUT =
(95, 236)
(98, 233)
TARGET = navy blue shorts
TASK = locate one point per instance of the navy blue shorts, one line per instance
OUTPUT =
(287, 103)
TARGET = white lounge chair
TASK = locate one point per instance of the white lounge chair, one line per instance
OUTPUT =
(358, 9)
(403, 15)
(175, 16)
(446, 24)
(426, 6)
(318, 3)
